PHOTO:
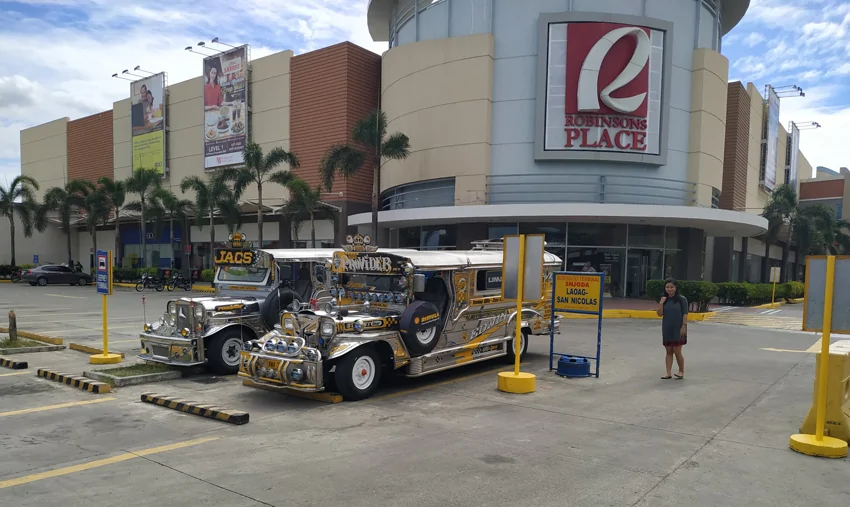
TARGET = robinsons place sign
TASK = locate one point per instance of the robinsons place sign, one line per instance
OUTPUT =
(603, 88)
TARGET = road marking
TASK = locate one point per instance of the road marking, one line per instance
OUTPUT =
(124, 341)
(15, 373)
(724, 309)
(69, 297)
(769, 312)
(53, 407)
(102, 462)
(815, 346)
(786, 350)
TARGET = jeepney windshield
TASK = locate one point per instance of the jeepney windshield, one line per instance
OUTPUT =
(240, 274)
(373, 282)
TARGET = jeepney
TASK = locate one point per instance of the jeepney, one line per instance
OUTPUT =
(252, 288)
(415, 312)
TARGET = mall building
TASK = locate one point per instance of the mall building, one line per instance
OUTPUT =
(607, 125)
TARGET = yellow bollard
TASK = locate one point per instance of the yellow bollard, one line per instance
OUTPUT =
(818, 444)
(518, 382)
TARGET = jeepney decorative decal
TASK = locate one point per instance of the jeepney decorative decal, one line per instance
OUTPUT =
(368, 263)
(229, 308)
(359, 243)
(233, 257)
(461, 286)
(367, 325)
(238, 240)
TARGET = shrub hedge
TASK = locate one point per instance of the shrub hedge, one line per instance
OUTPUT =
(699, 293)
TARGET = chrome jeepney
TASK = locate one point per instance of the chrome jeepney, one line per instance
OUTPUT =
(417, 312)
(252, 288)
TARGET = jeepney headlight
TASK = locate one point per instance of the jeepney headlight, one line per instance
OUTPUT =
(373, 297)
(184, 332)
(328, 327)
(297, 374)
(270, 345)
(358, 326)
(147, 328)
(171, 308)
(399, 297)
(333, 292)
(388, 297)
(292, 348)
(289, 323)
(281, 346)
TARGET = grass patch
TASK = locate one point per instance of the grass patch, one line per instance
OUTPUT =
(8, 343)
(136, 369)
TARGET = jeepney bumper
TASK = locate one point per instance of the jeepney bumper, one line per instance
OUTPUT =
(172, 350)
(275, 370)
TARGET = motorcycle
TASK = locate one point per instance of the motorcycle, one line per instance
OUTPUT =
(148, 281)
(16, 275)
(178, 280)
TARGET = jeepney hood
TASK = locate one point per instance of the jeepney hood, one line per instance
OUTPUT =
(223, 303)
(353, 322)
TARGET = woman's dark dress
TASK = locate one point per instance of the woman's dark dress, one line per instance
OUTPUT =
(671, 322)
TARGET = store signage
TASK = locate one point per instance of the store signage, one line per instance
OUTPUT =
(602, 88)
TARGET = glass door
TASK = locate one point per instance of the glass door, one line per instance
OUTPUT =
(643, 265)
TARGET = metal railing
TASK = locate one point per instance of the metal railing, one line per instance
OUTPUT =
(422, 195)
(558, 187)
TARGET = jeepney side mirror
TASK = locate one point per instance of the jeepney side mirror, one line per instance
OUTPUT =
(419, 283)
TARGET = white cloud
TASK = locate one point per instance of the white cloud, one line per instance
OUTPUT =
(53, 67)
(754, 39)
(829, 107)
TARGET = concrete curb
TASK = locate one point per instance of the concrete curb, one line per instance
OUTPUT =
(24, 350)
(90, 350)
(5, 281)
(635, 314)
(191, 407)
(324, 397)
(74, 381)
(195, 288)
(135, 379)
(34, 336)
(776, 304)
(15, 365)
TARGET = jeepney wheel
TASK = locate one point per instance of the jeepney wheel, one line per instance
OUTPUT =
(511, 347)
(224, 351)
(358, 373)
(420, 326)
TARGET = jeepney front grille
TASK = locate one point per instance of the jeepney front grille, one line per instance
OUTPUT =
(184, 317)
(159, 350)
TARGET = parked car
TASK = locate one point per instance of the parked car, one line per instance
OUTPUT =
(55, 274)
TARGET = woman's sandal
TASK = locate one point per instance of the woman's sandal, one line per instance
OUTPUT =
(678, 376)
(666, 378)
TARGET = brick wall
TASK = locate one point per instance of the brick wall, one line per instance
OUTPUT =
(331, 89)
(90, 147)
(822, 189)
(734, 190)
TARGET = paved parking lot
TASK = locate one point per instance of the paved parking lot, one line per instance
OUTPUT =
(718, 437)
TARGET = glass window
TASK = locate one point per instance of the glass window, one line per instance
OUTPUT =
(488, 280)
(423, 194)
(607, 260)
(650, 236)
(596, 234)
(644, 265)
(672, 240)
(707, 27)
(439, 237)
(556, 234)
(501, 230)
(240, 274)
(409, 237)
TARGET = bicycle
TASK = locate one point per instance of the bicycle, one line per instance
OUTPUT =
(178, 280)
(148, 281)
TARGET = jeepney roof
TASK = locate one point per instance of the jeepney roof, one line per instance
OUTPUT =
(302, 254)
(434, 259)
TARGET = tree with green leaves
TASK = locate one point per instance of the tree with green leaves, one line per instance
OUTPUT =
(370, 138)
(306, 203)
(95, 202)
(173, 209)
(116, 194)
(780, 210)
(64, 201)
(144, 182)
(18, 199)
(259, 170)
(213, 196)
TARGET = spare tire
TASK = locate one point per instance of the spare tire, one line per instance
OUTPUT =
(271, 309)
(419, 326)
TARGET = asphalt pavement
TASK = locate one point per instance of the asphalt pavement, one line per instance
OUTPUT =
(718, 437)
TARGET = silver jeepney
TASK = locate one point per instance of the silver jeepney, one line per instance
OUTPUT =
(417, 312)
(249, 296)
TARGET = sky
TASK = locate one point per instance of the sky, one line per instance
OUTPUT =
(58, 55)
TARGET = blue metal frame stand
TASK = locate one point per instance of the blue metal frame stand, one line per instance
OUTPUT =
(560, 308)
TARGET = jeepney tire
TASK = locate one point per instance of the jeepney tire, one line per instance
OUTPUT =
(510, 347)
(216, 348)
(420, 339)
(287, 297)
(349, 378)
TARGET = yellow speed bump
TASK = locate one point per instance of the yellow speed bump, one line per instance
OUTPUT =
(83, 383)
(194, 408)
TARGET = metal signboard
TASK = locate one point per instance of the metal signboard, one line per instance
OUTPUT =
(813, 306)
(104, 272)
(532, 276)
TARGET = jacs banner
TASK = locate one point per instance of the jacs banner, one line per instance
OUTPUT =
(147, 116)
(225, 107)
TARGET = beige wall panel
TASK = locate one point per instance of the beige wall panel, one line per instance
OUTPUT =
(44, 155)
(270, 94)
(756, 197)
(435, 163)
(270, 66)
(707, 133)
(409, 58)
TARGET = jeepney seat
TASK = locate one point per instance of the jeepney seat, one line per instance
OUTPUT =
(303, 284)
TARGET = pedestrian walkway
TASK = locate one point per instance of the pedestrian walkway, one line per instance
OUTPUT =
(765, 319)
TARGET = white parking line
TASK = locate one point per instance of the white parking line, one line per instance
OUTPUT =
(69, 297)
(723, 309)
(769, 312)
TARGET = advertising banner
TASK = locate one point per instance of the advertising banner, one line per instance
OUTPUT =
(794, 149)
(225, 108)
(771, 140)
(147, 116)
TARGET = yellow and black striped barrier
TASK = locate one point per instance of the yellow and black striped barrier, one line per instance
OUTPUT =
(15, 365)
(191, 407)
(83, 383)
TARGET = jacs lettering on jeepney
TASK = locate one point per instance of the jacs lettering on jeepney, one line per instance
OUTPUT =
(417, 312)
(253, 287)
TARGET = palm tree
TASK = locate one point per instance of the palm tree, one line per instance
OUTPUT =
(305, 203)
(836, 235)
(116, 193)
(63, 200)
(143, 182)
(213, 196)
(807, 232)
(259, 169)
(95, 202)
(781, 209)
(20, 189)
(370, 138)
(173, 208)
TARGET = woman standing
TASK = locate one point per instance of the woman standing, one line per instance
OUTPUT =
(673, 309)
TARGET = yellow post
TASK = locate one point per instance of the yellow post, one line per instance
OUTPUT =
(106, 357)
(519, 298)
(773, 295)
(105, 326)
(820, 445)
